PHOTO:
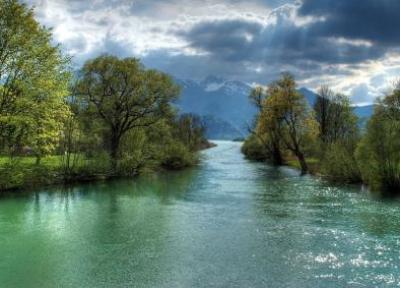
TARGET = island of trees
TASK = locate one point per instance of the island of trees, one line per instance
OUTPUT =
(113, 118)
(327, 139)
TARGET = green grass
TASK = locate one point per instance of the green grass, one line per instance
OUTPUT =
(49, 161)
(21, 172)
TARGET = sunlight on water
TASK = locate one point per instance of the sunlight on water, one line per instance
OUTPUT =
(227, 223)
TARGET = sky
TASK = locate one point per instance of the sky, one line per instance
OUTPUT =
(351, 45)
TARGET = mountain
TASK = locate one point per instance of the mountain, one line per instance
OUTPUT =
(364, 111)
(225, 108)
(219, 129)
(310, 96)
(223, 104)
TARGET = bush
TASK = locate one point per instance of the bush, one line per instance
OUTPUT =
(12, 175)
(16, 174)
(378, 157)
(378, 152)
(37, 175)
(178, 156)
(99, 164)
(137, 154)
(253, 149)
(339, 164)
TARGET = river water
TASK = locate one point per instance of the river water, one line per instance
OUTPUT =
(227, 223)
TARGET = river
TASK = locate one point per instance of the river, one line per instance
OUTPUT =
(227, 223)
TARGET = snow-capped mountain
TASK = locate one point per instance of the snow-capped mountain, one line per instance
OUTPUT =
(222, 103)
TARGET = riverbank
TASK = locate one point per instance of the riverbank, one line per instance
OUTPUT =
(22, 173)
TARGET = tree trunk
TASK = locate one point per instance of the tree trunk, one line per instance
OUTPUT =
(302, 162)
(115, 139)
(277, 158)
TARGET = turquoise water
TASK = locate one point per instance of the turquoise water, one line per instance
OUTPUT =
(227, 223)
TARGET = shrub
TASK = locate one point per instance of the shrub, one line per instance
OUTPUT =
(339, 164)
(99, 164)
(12, 175)
(178, 156)
(378, 157)
(253, 149)
(378, 152)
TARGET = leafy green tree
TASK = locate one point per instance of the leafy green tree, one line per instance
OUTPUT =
(124, 95)
(286, 114)
(265, 138)
(378, 153)
(338, 136)
(33, 82)
(335, 116)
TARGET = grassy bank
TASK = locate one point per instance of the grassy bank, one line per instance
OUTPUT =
(21, 173)
(24, 172)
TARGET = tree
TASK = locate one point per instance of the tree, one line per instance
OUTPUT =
(257, 97)
(335, 116)
(338, 135)
(33, 82)
(124, 95)
(267, 136)
(378, 152)
(191, 130)
(286, 114)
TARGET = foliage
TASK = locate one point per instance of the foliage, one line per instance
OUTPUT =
(335, 116)
(99, 165)
(253, 149)
(339, 163)
(177, 156)
(12, 175)
(116, 119)
(123, 95)
(18, 172)
(338, 136)
(34, 83)
(378, 152)
(265, 142)
(323, 139)
(191, 130)
(286, 116)
(137, 154)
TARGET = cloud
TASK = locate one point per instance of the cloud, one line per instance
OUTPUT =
(351, 45)
(282, 41)
(362, 93)
(372, 20)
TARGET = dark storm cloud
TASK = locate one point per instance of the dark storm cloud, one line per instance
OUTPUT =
(229, 39)
(284, 41)
(373, 20)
